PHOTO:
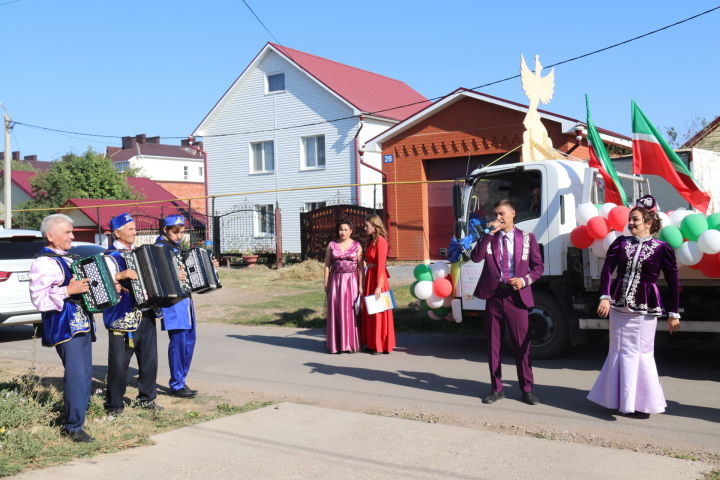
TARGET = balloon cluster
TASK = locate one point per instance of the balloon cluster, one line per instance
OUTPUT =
(433, 288)
(695, 237)
(696, 240)
(599, 226)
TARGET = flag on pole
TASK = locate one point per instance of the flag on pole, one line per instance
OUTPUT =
(600, 159)
(652, 155)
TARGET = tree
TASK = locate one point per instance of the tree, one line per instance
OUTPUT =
(22, 166)
(677, 137)
(88, 176)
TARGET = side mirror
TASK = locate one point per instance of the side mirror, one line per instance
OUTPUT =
(457, 201)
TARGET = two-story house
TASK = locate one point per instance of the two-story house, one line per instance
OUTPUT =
(292, 119)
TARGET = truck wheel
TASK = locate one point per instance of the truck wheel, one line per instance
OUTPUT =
(548, 327)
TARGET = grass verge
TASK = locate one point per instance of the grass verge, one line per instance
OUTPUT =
(31, 415)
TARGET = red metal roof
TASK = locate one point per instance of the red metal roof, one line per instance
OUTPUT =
(117, 154)
(367, 91)
(22, 180)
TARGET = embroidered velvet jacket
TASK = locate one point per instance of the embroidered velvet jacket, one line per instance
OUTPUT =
(639, 263)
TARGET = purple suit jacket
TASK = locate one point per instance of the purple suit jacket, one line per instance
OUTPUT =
(527, 260)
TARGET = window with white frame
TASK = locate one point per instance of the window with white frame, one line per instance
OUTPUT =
(313, 151)
(264, 220)
(276, 82)
(122, 166)
(310, 206)
(185, 172)
(262, 157)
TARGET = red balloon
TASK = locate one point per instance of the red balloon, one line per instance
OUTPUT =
(442, 287)
(597, 227)
(580, 238)
(710, 265)
(694, 267)
(618, 217)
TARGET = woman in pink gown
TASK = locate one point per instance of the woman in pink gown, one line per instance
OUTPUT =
(342, 285)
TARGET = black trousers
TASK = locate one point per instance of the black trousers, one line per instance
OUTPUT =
(119, 355)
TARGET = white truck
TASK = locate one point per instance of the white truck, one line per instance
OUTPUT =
(545, 195)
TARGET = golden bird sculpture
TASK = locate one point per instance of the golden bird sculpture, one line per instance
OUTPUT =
(536, 142)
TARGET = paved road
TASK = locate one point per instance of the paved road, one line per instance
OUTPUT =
(440, 378)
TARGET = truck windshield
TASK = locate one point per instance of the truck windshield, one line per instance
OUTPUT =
(523, 189)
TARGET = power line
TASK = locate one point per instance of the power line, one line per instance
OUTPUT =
(261, 22)
(568, 60)
(8, 3)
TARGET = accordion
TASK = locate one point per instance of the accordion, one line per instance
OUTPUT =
(201, 274)
(102, 292)
(158, 284)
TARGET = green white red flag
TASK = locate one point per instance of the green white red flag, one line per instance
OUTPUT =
(600, 159)
(652, 155)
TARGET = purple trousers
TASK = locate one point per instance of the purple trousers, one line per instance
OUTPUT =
(506, 306)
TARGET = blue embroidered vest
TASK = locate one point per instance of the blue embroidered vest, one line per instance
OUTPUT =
(124, 316)
(59, 327)
(180, 316)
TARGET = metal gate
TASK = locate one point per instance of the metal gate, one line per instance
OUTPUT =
(318, 227)
(244, 230)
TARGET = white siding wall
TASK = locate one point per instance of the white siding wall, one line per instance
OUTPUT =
(371, 193)
(168, 169)
(250, 109)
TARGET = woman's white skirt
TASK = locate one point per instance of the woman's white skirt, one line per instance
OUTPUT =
(629, 380)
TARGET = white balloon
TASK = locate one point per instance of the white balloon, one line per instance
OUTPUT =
(626, 231)
(688, 253)
(584, 212)
(664, 218)
(605, 209)
(439, 270)
(447, 301)
(598, 249)
(434, 302)
(424, 289)
(709, 241)
(677, 216)
(610, 238)
(433, 315)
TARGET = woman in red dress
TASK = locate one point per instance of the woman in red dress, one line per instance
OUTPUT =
(377, 331)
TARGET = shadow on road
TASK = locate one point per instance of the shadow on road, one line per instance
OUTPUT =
(297, 342)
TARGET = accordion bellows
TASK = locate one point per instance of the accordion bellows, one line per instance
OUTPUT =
(158, 284)
(102, 292)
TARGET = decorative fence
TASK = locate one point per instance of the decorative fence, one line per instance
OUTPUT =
(318, 227)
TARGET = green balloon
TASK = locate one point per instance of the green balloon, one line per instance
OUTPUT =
(422, 272)
(693, 226)
(672, 235)
(424, 305)
(442, 311)
(412, 289)
(713, 221)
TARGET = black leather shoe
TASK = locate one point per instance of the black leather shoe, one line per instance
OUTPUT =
(184, 392)
(113, 412)
(530, 398)
(79, 436)
(493, 397)
(191, 389)
(641, 415)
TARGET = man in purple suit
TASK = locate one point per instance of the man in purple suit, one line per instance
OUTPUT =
(512, 264)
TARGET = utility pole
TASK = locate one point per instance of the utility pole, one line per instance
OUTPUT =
(8, 169)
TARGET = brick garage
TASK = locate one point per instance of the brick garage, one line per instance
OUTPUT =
(188, 190)
(460, 132)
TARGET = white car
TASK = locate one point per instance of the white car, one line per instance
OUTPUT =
(17, 251)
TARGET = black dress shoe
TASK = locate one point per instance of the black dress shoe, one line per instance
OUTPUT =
(113, 412)
(184, 392)
(641, 415)
(530, 398)
(493, 397)
(191, 389)
(79, 436)
(148, 405)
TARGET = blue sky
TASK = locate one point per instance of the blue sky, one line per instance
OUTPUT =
(157, 67)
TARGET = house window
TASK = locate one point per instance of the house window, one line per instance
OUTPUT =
(262, 157)
(276, 82)
(185, 172)
(313, 151)
(122, 166)
(310, 206)
(264, 220)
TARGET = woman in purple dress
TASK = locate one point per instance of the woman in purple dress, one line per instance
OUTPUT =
(342, 285)
(629, 380)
